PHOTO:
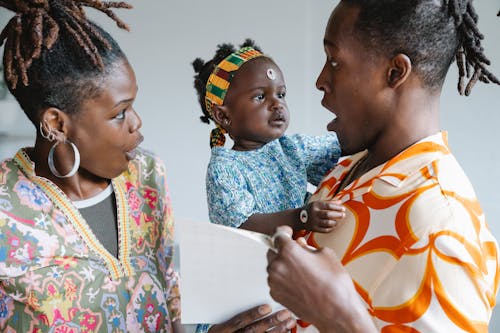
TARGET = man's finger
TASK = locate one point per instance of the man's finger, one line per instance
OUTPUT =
(282, 234)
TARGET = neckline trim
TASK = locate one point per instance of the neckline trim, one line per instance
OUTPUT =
(92, 201)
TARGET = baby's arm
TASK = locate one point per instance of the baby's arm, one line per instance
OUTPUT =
(231, 203)
(318, 153)
(318, 216)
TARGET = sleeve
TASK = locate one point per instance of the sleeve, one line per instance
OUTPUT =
(202, 328)
(319, 154)
(166, 251)
(229, 201)
(448, 279)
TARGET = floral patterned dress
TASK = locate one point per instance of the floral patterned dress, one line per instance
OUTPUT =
(55, 276)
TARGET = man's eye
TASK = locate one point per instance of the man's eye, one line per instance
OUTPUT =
(121, 115)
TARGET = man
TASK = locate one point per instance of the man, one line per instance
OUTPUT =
(414, 253)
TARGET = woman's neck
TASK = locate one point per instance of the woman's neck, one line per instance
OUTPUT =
(81, 186)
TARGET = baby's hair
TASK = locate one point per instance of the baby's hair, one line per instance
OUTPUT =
(432, 35)
(204, 69)
(52, 51)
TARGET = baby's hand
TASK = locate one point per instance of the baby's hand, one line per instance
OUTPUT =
(322, 216)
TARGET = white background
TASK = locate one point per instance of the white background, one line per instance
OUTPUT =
(167, 35)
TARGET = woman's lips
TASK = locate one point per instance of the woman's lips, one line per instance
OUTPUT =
(131, 154)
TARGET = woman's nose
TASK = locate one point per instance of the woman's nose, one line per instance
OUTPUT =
(135, 122)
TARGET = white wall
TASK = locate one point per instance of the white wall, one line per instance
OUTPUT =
(167, 35)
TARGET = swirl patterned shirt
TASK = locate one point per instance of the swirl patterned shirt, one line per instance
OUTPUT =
(415, 241)
(55, 275)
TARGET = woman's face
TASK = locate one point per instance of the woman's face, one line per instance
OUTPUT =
(257, 107)
(106, 130)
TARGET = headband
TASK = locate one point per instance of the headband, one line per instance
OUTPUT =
(218, 84)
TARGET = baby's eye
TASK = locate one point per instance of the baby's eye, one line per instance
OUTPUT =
(282, 94)
(259, 97)
(121, 115)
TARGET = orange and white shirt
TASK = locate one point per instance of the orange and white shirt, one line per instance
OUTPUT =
(415, 241)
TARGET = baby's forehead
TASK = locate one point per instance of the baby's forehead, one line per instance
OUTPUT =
(258, 66)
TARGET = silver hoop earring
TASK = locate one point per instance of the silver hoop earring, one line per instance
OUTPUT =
(52, 166)
(50, 136)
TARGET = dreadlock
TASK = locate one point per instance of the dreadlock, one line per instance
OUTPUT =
(431, 35)
(204, 69)
(53, 53)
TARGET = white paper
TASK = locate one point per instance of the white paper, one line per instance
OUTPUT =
(223, 271)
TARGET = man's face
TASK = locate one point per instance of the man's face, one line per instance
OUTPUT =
(353, 81)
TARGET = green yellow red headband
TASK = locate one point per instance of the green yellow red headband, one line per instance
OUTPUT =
(220, 79)
(218, 84)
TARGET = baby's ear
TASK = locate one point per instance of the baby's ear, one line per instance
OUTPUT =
(221, 116)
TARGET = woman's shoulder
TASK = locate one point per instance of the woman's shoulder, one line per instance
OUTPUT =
(144, 165)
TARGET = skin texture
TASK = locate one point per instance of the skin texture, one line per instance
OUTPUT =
(258, 319)
(255, 110)
(323, 216)
(382, 107)
(106, 130)
(312, 301)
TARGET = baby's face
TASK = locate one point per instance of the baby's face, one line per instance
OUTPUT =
(256, 104)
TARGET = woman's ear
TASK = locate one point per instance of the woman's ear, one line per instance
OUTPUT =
(221, 116)
(399, 70)
(54, 123)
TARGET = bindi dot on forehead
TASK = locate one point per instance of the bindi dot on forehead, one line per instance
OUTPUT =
(271, 74)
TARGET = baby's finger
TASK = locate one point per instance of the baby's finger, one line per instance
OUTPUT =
(330, 215)
(323, 230)
(327, 223)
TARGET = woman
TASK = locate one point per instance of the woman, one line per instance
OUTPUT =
(86, 234)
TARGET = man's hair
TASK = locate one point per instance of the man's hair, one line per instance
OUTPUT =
(54, 56)
(432, 33)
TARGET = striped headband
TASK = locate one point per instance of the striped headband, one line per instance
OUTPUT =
(220, 79)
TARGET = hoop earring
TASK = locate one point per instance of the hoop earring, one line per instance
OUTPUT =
(50, 136)
(52, 166)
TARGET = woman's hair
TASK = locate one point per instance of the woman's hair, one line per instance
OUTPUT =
(432, 33)
(204, 69)
(54, 56)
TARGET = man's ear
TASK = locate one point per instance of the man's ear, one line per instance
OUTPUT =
(221, 116)
(54, 122)
(399, 70)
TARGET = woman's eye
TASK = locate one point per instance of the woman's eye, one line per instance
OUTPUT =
(121, 115)
(333, 63)
(259, 97)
